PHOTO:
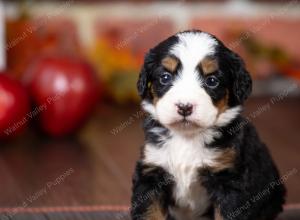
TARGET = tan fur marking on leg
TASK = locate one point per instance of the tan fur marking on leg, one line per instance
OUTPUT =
(218, 215)
(155, 212)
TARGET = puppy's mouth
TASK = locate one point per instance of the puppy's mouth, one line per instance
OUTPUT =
(185, 124)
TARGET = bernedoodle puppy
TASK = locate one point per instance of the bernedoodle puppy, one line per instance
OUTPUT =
(201, 159)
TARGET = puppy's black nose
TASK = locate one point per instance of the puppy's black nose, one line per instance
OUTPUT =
(185, 109)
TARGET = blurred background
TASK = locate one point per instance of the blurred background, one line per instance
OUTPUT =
(70, 122)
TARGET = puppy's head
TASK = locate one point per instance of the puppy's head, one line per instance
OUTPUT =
(192, 82)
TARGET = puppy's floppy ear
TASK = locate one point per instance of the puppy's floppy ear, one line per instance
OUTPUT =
(241, 79)
(142, 84)
(144, 77)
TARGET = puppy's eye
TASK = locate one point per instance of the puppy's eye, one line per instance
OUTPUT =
(212, 82)
(165, 78)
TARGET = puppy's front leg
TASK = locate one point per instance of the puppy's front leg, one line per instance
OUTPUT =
(144, 208)
(235, 198)
(151, 185)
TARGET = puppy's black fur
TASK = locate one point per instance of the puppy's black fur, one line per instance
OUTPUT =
(231, 190)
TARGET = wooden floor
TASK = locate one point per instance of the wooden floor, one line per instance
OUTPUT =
(94, 168)
(108, 215)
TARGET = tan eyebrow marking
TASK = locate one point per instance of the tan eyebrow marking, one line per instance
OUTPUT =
(170, 63)
(209, 65)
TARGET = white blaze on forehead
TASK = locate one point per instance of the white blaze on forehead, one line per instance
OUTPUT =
(193, 47)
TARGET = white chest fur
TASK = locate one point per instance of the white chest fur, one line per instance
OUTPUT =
(182, 157)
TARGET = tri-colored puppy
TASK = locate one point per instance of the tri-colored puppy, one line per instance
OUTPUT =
(201, 158)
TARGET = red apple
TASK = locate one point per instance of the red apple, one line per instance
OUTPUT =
(64, 90)
(14, 106)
